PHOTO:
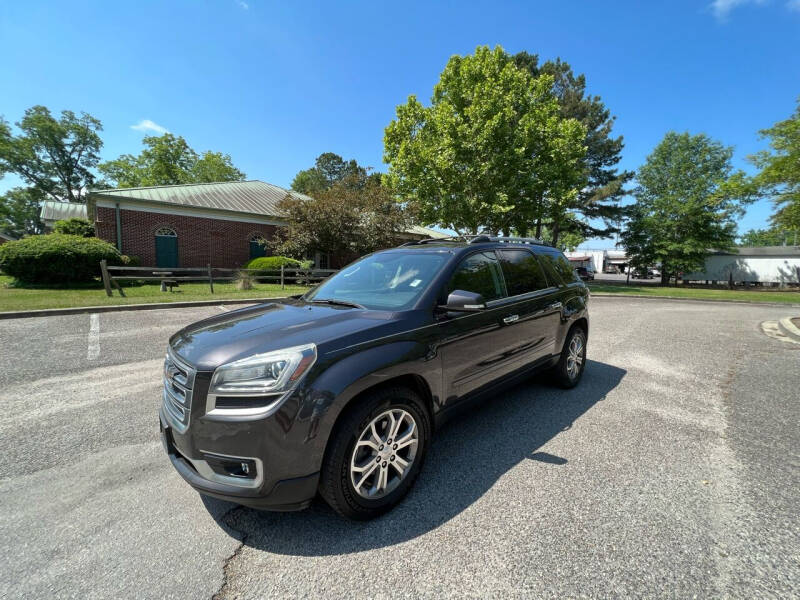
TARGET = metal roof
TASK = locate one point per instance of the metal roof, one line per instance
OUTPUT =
(7, 237)
(426, 231)
(764, 251)
(251, 197)
(53, 210)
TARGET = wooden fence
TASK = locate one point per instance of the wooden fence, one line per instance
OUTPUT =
(174, 275)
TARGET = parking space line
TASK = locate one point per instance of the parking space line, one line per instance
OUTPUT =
(93, 350)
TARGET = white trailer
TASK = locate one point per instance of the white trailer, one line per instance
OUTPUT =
(770, 264)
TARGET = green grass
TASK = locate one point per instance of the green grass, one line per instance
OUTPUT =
(37, 297)
(698, 293)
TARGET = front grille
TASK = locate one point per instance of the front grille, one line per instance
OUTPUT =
(178, 385)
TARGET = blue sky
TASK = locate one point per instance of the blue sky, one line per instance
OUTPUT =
(274, 84)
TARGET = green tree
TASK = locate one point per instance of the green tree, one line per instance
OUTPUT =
(687, 200)
(774, 236)
(599, 198)
(488, 149)
(74, 226)
(329, 169)
(169, 160)
(19, 211)
(215, 166)
(55, 156)
(780, 170)
(344, 220)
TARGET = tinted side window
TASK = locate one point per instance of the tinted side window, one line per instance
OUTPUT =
(480, 274)
(522, 272)
(559, 264)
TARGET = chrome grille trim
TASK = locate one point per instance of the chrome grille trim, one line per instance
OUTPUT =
(178, 380)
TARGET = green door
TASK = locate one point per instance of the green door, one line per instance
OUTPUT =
(257, 249)
(166, 251)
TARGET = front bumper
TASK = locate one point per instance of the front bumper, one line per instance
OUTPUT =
(267, 489)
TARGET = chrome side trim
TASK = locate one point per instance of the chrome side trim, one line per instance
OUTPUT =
(257, 411)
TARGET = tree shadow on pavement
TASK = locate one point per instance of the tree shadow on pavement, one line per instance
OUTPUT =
(466, 458)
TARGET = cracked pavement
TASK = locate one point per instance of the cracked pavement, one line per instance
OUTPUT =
(672, 470)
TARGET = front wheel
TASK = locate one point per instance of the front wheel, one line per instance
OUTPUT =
(569, 369)
(375, 454)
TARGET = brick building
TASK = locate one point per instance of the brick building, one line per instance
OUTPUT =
(222, 224)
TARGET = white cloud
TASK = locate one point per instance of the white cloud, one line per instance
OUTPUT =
(242, 4)
(722, 8)
(148, 125)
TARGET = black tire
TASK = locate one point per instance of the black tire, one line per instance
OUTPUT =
(336, 485)
(563, 375)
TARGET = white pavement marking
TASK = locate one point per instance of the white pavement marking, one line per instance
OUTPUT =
(773, 330)
(223, 308)
(93, 350)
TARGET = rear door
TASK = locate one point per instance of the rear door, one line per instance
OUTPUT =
(557, 268)
(477, 348)
(535, 301)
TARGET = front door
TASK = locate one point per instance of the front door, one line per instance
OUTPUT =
(166, 251)
(477, 348)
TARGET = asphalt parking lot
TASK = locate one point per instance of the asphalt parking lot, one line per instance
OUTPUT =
(671, 471)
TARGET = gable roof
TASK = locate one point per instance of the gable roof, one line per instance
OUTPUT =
(252, 197)
(53, 210)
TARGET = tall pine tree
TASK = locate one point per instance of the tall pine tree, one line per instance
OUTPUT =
(596, 212)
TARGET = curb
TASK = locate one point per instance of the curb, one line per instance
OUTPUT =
(789, 328)
(78, 310)
(702, 300)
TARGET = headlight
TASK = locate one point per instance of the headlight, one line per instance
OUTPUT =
(263, 373)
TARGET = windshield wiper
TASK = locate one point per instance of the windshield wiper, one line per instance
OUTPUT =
(338, 303)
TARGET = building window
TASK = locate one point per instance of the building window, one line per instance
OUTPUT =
(258, 246)
(166, 248)
(322, 260)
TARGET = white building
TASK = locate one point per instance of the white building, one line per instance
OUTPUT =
(769, 264)
(598, 260)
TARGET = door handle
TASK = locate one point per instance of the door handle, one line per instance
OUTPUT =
(510, 319)
(555, 306)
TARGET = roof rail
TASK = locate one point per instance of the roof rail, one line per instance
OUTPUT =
(451, 239)
(480, 238)
(506, 239)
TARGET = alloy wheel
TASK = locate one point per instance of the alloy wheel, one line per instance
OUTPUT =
(384, 453)
(575, 356)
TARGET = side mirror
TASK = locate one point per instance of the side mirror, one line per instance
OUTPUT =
(463, 301)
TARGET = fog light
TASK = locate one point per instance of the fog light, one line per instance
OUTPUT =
(228, 466)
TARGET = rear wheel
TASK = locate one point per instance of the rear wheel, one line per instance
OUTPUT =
(375, 454)
(569, 369)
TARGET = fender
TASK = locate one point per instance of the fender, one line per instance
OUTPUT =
(575, 308)
(329, 394)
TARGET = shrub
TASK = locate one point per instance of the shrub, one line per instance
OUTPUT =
(244, 281)
(130, 261)
(269, 263)
(56, 258)
(74, 226)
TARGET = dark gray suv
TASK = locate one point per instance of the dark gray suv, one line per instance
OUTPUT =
(340, 391)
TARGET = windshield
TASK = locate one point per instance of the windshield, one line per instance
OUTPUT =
(383, 281)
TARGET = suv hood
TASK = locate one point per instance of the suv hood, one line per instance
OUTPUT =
(237, 334)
